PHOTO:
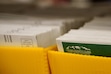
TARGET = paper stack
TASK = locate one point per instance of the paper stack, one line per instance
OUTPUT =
(25, 31)
(93, 40)
(26, 37)
(98, 24)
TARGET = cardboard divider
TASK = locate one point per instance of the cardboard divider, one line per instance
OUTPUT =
(18, 60)
(67, 63)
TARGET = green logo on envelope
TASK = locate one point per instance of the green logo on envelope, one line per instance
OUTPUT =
(78, 49)
(87, 48)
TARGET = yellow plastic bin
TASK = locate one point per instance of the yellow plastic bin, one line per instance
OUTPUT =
(17, 60)
(67, 63)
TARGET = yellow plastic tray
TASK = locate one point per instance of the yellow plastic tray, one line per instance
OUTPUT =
(16, 60)
(67, 63)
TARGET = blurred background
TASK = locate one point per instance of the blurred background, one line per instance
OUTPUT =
(57, 8)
